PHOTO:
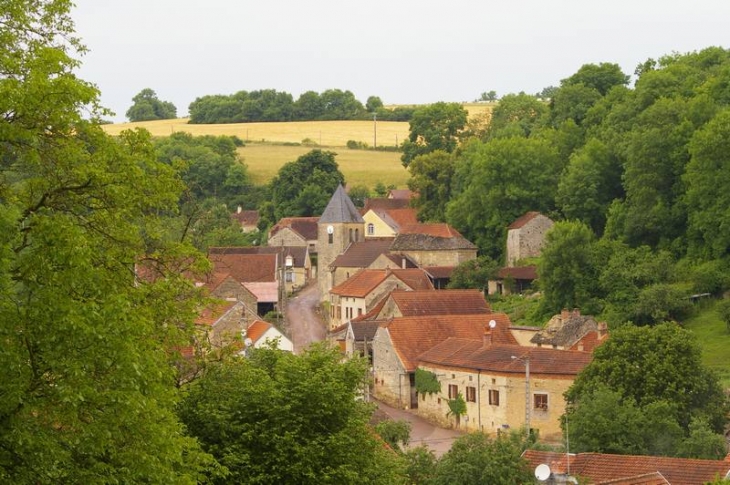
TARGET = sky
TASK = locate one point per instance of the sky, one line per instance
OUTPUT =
(403, 51)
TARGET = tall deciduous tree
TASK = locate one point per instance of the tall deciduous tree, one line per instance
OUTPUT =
(87, 391)
(146, 107)
(303, 187)
(431, 180)
(282, 418)
(434, 127)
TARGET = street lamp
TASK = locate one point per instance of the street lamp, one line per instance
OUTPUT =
(525, 359)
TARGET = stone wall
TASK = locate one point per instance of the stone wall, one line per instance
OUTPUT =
(528, 240)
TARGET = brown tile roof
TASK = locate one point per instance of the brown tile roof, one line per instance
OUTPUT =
(264, 291)
(439, 272)
(518, 272)
(439, 302)
(412, 336)
(496, 356)
(257, 329)
(298, 253)
(304, 226)
(398, 259)
(362, 254)
(428, 237)
(382, 203)
(246, 218)
(365, 330)
(602, 468)
(400, 194)
(404, 217)
(213, 312)
(523, 219)
(366, 280)
(245, 267)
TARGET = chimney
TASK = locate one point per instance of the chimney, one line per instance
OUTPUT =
(239, 210)
(580, 346)
(602, 330)
(403, 263)
(564, 314)
(487, 338)
(576, 312)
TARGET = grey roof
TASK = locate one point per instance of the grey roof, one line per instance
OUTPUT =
(340, 209)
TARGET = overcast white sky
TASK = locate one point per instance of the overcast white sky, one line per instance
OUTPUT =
(404, 51)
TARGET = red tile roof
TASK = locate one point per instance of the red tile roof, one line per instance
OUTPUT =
(524, 219)
(304, 226)
(298, 253)
(518, 272)
(245, 267)
(439, 302)
(400, 194)
(602, 468)
(403, 217)
(364, 281)
(439, 272)
(212, 313)
(433, 229)
(429, 237)
(493, 353)
(382, 203)
(362, 254)
(257, 329)
(412, 336)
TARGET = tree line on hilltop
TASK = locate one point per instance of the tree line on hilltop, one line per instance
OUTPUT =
(267, 105)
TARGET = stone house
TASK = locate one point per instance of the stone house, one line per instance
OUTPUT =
(399, 342)
(429, 302)
(295, 231)
(258, 273)
(602, 468)
(261, 333)
(512, 279)
(365, 289)
(493, 380)
(247, 219)
(221, 324)
(294, 266)
(384, 217)
(433, 245)
(526, 237)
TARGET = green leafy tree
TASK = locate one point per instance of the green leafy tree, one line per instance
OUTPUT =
(477, 458)
(517, 114)
(373, 103)
(88, 390)
(434, 127)
(567, 269)
(431, 179)
(723, 310)
(702, 442)
(495, 183)
(277, 417)
(358, 194)
(420, 465)
(396, 433)
(652, 365)
(303, 187)
(601, 77)
(146, 107)
(474, 273)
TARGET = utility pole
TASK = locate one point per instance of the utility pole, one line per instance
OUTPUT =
(526, 360)
(375, 129)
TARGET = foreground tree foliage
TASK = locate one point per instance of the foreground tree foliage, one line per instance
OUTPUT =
(647, 392)
(87, 392)
(276, 418)
(434, 127)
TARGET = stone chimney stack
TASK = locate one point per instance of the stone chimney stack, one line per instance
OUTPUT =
(487, 339)
(602, 330)
(565, 314)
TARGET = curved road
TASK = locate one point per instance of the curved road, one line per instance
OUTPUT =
(304, 322)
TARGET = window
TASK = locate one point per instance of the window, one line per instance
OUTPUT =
(494, 397)
(541, 402)
(289, 277)
(350, 234)
(453, 391)
(371, 229)
(357, 234)
(330, 238)
(471, 394)
(359, 312)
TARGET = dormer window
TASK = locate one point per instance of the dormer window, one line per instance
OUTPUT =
(371, 229)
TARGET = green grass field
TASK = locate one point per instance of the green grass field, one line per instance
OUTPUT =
(713, 336)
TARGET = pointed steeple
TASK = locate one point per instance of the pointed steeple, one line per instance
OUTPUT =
(340, 209)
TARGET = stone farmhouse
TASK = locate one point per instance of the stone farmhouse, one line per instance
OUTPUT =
(295, 231)
(259, 274)
(526, 237)
(605, 469)
(360, 293)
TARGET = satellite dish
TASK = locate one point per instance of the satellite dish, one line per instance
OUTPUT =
(492, 323)
(248, 342)
(542, 472)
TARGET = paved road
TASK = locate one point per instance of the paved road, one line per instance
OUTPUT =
(304, 323)
(437, 439)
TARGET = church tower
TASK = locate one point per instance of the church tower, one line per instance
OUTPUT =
(340, 225)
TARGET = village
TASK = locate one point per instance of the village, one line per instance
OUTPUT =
(379, 291)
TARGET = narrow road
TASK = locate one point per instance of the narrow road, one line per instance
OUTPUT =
(438, 440)
(304, 323)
